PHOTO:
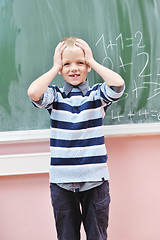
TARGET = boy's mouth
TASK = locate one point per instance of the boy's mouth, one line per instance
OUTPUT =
(74, 75)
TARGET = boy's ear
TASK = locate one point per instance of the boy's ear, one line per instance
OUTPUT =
(89, 68)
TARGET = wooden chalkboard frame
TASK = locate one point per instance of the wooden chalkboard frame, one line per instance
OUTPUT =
(109, 131)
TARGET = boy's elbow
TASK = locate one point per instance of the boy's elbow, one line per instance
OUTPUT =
(32, 94)
(121, 84)
(121, 81)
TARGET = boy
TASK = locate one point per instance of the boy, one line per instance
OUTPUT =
(78, 171)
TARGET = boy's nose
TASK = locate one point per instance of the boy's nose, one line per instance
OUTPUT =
(74, 68)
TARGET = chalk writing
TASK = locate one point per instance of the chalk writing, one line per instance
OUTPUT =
(111, 45)
(131, 115)
(158, 59)
(146, 63)
(137, 88)
(121, 39)
(108, 59)
(129, 39)
(103, 42)
(144, 113)
(116, 116)
(140, 35)
(123, 65)
(157, 89)
(131, 56)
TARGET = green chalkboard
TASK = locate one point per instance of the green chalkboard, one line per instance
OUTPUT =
(123, 34)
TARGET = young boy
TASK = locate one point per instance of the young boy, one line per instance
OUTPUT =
(78, 171)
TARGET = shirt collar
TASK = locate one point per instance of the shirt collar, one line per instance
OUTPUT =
(84, 87)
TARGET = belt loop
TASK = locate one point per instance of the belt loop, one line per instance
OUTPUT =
(76, 190)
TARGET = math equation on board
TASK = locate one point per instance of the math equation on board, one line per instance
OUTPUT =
(145, 77)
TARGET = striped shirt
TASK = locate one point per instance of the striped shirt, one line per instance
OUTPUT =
(78, 152)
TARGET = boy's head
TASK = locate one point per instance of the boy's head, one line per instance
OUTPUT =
(69, 41)
(74, 67)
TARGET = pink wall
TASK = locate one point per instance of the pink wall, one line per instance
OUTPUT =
(25, 209)
(134, 164)
(135, 182)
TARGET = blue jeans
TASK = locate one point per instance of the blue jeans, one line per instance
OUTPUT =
(94, 212)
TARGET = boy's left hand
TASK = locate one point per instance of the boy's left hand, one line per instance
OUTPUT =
(86, 49)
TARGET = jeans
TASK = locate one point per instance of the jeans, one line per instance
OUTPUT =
(90, 207)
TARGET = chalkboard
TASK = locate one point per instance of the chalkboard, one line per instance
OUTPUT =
(123, 34)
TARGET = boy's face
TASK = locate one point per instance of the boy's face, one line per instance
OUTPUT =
(74, 67)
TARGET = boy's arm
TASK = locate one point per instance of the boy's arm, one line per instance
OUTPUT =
(39, 86)
(110, 77)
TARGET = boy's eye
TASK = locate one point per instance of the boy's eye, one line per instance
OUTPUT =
(66, 64)
(81, 63)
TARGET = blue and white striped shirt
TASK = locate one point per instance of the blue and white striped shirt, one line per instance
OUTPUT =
(78, 152)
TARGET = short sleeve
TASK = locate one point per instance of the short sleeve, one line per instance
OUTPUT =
(46, 100)
(108, 95)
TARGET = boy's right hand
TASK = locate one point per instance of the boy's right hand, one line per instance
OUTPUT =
(57, 61)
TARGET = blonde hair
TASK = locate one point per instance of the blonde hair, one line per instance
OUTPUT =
(69, 41)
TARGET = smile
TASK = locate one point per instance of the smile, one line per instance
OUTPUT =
(74, 75)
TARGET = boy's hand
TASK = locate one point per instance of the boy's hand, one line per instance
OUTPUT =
(87, 50)
(58, 56)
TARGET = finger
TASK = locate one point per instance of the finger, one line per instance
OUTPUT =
(81, 42)
(63, 46)
(80, 45)
(59, 46)
(62, 49)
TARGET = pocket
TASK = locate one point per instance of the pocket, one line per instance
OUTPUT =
(102, 213)
(103, 204)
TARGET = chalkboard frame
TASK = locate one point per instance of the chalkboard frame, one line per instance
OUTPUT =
(43, 135)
